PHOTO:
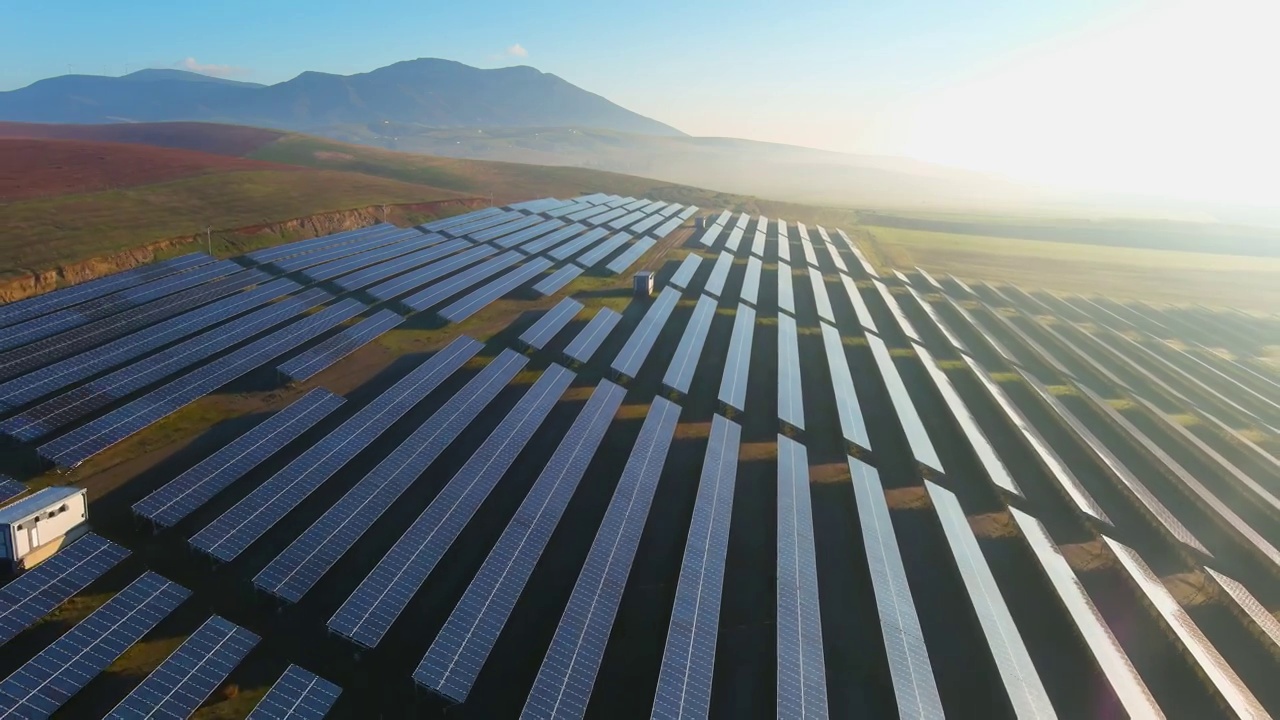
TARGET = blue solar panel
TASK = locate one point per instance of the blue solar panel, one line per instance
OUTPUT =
(896, 310)
(688, 212)
(502, 232)
(667, 227)
(908, 416)
(397, 286)
(859, 305)
(685, 361)
(810, 256)
(47, 303)
(39, 591)
(301, 247)
(189, 676)
(852, 425)
(648, 223)
(63, 409)
(820, 296)
(297, 695)
(454, 660)
(790, 393)
(456, 220)
(368, 258)
(47, 681)
(631, 254)
(684, 274)
(301, 565)
(626, 220)
(684, 681)
(371, 241)
(719, 274)
(836, 258)
(786, 293)
(577, 244)
(573, 207)
(522, 238)
(633, 354)
(330, 351)
(751, 281)
(94, 437)
(605, 217)
(367, 615)
(480, 298)
(10, 488)
(558, 279)
(588, 212)
(550, 240)
(563, 685)
(602, 250)
(733, 384)
(590, 338)
(595, 198)
(711, 235)
(488, 221)
(734, 240)
(551, 323)
(441, 291)
(237, 528)
(184, 494)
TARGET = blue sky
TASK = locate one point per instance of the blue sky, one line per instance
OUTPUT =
(941, 80)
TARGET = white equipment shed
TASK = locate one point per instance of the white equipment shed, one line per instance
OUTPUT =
(36, 526)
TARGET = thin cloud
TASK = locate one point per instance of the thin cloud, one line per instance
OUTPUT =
(517, 50)
(222, 71)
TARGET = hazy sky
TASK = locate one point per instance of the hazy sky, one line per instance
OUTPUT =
(1172, 97)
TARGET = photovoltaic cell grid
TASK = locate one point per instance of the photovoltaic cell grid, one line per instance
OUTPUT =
(63, 409)
(711, 234)
(786, 291)
(784, 242)
(896, 310)
(401, 249)
(751, 281)
(626, 220)
(820, 296)
(39, 591)
(577, 244)
(297, 695)
(630, 255)
(478, 299)
(909, 667)
(10, 488)
(536, 206)
(683, 274)
(602, 218)
(668, 227)
(810, 256)
(684, 680)
(602, 250)
(921, 446)
(380, 267)
(734, 240)
(801, 676)
(550, 240)
(300, 247)
(859, 305)
(1060, 471)
(929, 310)
(852, 425)
(436, 293)
(22, 310)
(648, 223)
(632, 355)
(465, 229)
(424, 275)
(836, 258)
(47, 681)
(301, 565)
(371, 241)
(184, 494)
(790, 391)
(519, 239)
(1258, 615)
(563, 685)
(459, 652)
(737, 366)
(867, 267)
(719, 274)
(724, 217)
(593, 335)
(685, 361)
(312, 361)
(369, 612)
(759, 241)
(978, 440)
(505, 230)
(1017, 671)
(688, 212)
(572, 208)
(186, 678)
(90, 439)
(237, 528)
(459, 219)
(551, 323)
(558, 279)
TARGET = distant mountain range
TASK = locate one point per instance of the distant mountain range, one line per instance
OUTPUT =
(425, 92)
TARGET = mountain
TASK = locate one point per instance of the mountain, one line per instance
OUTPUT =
(423, 93)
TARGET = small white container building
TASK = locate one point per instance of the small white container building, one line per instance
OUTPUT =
(642, 283)
(38, 525)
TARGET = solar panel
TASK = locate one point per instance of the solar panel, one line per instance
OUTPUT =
(963, 285)
(297, 695)
(311, 362)
(563, 685)
(978, 440)
(459, 219)
(867, 267)
(551, 323)
(1114, 663)
(631, 254)
(758, 243)
(924, 274)
(550, 240)
(577, 244)
(684, 681)
(465, 229)
(184, 494)
(439, 292)
(369, 612)
(47, 681)
(1206, 657)
(751, 281)
(836, 258)
(74, 404)
(538, 205)
(190, 675)
(909, 666)
(1154, 508)
(602, 250)
(50, 302)
(594, 198)
(648, 223)
(896, 310)
(10, 488)
(921, 447)
(852, 426)
(685, 361)
(859, 305)
(39, 591)
(668, 227)
(801, 677)
(521, 238)
(810, 256)
(688, 212)
(626, 220)
(790, 393)
(1017, 672)
(237, 528)
(724, 217)
(92, 438)
(735, 239)
(820, 296)
(601, 218)
(368, 258)
(711, 235)
(925, 305)
(590, 338)
(558, 279)
(1057, 468)
(719, 274)
(503, 232)
(301, 565)
(633, 354)
(573, 207)
(459, 652)
(1248, 605)
(378, 274)
(301, 247)
(684, 274)
(733, 384)
(786, 293)
(480, 298)
(368, 242)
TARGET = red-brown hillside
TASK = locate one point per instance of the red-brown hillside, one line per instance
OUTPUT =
(235, 140)
(34, 168)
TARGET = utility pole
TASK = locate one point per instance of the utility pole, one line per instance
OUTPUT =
(208, 238)
(384, 213)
